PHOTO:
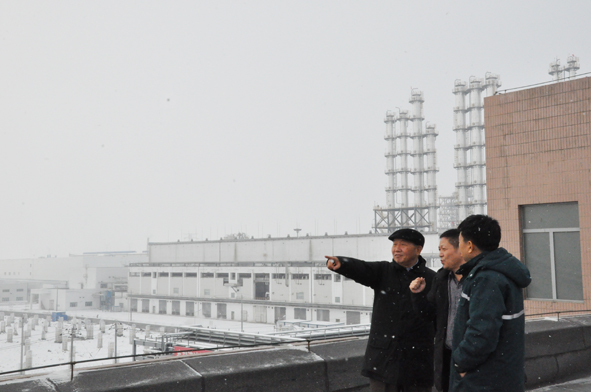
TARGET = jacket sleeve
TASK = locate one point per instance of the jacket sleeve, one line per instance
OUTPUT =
(363, 272)
(481, 336)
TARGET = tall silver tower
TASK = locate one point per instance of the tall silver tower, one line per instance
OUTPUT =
(411, 168)
(470, 153)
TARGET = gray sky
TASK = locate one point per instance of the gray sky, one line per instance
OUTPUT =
(128, 120)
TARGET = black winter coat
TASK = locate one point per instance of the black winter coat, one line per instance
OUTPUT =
(489, 329)
(400, 346)
(436, 303)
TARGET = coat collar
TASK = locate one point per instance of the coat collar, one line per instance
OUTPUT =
(419, 265)
(465, 269)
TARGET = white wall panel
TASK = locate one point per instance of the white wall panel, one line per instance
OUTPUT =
(176, 283)
(162, 285)
(352, 293)
(346, 246)
(365, 247)
(146, 285)
(210, 251)
(133, 284)
(190, 286)
(374, 248)
(228, 251)
(279, 290)
(323, 291)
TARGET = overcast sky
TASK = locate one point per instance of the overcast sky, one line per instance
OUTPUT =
(127, 120)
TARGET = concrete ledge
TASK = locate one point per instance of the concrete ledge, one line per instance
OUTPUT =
(343, 362)
(574, 364)
(162, 376)
(556, 351)
(545, 337)
(39, 385)
(540, 371)
(265, 370)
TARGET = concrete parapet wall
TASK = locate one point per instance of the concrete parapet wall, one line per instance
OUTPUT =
(555, 351)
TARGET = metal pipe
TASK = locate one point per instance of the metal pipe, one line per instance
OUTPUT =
(72, 353)
(460, 153)
(572, 65)
(22, 339)
(416, 100)
(555, 70)
(404, 169)
(390, 159)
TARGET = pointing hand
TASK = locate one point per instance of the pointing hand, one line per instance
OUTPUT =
(332, 263)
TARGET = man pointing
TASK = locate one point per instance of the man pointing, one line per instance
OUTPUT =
(399, 354)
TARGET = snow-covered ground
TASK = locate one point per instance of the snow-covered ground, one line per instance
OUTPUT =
(47, 352)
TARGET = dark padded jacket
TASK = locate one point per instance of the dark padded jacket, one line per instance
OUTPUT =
(488, 336)
(400, 345)
(436, 303)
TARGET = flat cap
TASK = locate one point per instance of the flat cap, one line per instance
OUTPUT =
(409, 235)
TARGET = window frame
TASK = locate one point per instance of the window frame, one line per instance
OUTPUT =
(552, 258)
(551, 247)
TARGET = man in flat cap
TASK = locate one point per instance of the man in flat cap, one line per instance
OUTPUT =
(399, 354)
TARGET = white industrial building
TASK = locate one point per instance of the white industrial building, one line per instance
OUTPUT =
(269, 279)
(95, 280)
(13, 291)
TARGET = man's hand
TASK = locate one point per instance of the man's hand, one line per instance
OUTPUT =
(332, 263)
(417, 285)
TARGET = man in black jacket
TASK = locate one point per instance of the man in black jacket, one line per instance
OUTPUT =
(399, 354)
(442, 301)
(488, 352)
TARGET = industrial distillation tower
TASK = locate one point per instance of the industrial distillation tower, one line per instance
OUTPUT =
(558, 72)
(411, 168)
(470, 157)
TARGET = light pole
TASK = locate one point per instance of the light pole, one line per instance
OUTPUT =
(22, 339)
(241, 314)
(116, 325)
(236, 288)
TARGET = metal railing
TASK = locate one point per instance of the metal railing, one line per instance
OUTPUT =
(217, 340)
(327, 332)
(558, 313)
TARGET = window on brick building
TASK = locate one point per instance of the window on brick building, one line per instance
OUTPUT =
(552, 250)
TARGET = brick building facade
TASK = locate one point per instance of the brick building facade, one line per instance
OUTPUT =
(538, 143)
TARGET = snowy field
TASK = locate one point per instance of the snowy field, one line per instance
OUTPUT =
(48, 351)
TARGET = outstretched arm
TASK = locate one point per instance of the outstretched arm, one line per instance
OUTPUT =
(363, 272)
